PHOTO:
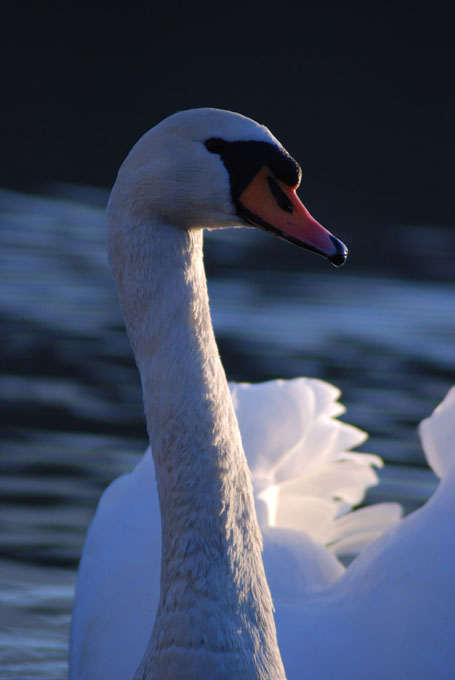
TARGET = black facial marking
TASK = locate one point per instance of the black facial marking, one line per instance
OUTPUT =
(243, 160)
(215, 144)
(279, 195)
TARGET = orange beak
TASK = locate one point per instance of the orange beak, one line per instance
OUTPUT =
(274, 206)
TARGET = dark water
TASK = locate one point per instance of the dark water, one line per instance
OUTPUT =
(382, 329)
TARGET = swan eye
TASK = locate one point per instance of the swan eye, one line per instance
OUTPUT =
(279, 195)
(215, 144)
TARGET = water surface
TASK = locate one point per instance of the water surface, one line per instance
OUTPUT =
(381, 329)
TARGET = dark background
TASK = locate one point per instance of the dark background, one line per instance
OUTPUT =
(361, 95)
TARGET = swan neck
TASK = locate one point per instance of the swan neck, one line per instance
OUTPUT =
(214, 596)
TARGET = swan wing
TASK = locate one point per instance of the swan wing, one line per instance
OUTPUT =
(305, 476)
(391, 613)
(438, 436)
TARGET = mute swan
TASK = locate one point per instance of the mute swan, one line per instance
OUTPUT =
(212, 615)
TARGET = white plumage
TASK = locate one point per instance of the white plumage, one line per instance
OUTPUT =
(388, 615)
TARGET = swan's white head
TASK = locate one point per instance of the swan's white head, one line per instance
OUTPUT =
(208, 168)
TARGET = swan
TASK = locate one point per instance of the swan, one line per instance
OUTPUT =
(175, 580)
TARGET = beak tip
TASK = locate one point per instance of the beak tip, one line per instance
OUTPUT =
(338, 258)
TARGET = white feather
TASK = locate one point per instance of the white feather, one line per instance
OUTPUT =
(389, 614)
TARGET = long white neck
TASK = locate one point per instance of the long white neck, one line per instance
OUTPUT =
(215, 617)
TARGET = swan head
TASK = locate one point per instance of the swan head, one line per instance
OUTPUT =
(210, 168)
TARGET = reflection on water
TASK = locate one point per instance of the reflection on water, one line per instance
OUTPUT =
(70, 391)
(35, 603)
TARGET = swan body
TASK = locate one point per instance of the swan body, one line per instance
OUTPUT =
(171, 582)
(119, 566)
(391, 613)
